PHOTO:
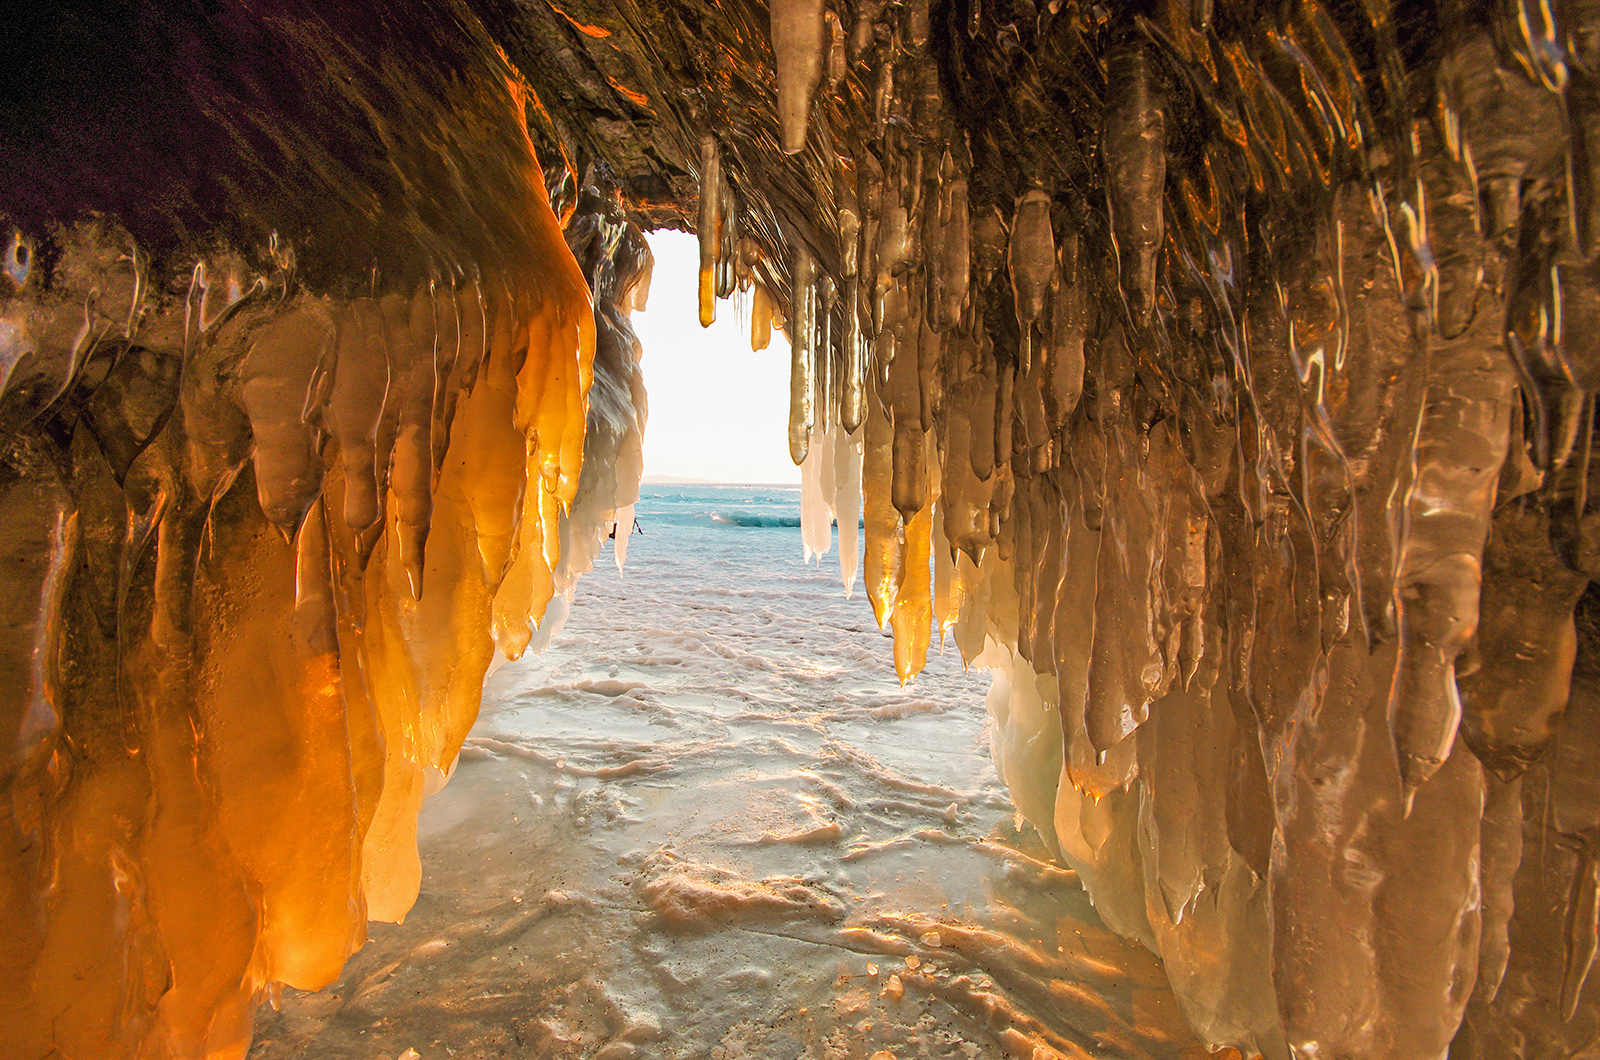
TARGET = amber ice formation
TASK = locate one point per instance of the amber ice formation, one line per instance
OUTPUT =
(1218, 376)
(262, 536)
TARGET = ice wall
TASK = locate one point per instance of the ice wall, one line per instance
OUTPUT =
(1219, 376)
(263, 534)
(1237, 416)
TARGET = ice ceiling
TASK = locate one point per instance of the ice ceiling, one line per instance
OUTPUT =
(1216, 373)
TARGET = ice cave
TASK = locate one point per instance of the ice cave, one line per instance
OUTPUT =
(1208, 372)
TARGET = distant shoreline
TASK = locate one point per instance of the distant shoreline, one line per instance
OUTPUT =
(671, 480)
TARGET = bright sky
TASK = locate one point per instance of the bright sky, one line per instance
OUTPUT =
(717, 411)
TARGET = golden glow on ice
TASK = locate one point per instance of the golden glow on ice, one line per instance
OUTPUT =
(301, 656)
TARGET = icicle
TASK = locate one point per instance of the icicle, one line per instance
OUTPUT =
(797, 47)
(802, 370)
(869, 182)
(828, 389)
(487, 425)
(838, 62)
(1125, 670)
(1583, 935)
(1134, 146)
(882, 570)
(964, 500)
(623, 526)
(929, 346)
(1004, 419)
(745, 262)
(1500, 857)
(827, 434)
(1024, 557)
(1032, 258)
(39, 542)
(847, 506)
(863, 33)
(913, 602)
(355, 409)
(1460, 447)
(815, 534)
(1068, 328)
(709, 228)
(411, 345)
(472, 315)
(849, 224)
(882, 98)
(760, 319)
(989, 242)
(910, 491)
(852, 407)
(276, 387)
(1527, 642)
(1032, 420)
(948, 590)
(982, 414)
(1050, 549)
(447, 380)
(904, 398)
(917, 23)
(1026, 744)
(728, 239)
(313, 584)
(955, 258)
(893, 252)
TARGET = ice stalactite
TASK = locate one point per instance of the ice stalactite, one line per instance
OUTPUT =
(1032, 264)
(816, 508)
(847, 505)
(709, 229)
(803, 338)
(797, 46)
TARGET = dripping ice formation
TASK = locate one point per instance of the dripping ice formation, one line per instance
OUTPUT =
(1216, 377)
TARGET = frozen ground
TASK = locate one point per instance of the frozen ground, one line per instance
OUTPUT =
(708, 823)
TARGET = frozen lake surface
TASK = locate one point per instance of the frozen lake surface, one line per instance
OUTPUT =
(709, 823)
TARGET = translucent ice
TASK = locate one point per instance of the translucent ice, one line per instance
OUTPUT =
(797, 47)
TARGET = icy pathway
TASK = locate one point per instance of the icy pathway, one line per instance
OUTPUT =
(707, 823)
